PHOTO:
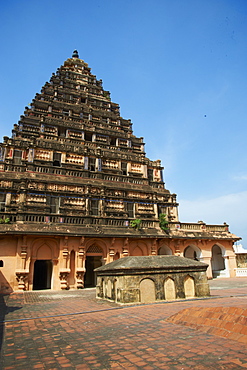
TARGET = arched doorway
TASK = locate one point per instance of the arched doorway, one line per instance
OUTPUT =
(192, 253)
(94, 259)
(218, 262)
(43, 265)
(42, 274)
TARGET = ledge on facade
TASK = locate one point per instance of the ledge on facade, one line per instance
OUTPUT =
(200, 230)
(78, 230)
(110, 227)
(64, 270)
(21, 272)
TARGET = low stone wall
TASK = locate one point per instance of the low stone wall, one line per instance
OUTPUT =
(241, 271)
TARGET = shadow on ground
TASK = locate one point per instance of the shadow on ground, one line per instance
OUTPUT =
(4, 310)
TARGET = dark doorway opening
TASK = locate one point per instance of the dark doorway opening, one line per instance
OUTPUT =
(42, 274)
(92, 262)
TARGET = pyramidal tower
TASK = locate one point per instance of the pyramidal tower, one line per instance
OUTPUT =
(77, 191)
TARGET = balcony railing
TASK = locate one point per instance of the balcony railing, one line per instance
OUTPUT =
(201, 226)
(76, 220)
(121, 222)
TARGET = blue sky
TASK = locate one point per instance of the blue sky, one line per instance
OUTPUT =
(177, 69)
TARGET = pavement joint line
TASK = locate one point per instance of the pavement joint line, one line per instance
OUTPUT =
(121, 307)
(62, 314)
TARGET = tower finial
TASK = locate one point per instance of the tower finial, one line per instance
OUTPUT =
(75, 54)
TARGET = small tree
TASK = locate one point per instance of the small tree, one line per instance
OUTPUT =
(163, 222)
(136, 224)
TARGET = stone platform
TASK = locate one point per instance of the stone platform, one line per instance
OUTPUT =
(146, 279)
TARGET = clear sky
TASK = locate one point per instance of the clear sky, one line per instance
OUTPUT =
(178, 70)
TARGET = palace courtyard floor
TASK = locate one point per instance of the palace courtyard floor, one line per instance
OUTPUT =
(73, 330)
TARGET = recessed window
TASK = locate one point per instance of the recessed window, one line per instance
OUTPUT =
(17, 156)
(94, 207)
(55, 204)
(1, 263)
(2, 202)
(92, 164)
(124, 168)
(150, 174)
(57, 159)
(130, 210)
(88, 136)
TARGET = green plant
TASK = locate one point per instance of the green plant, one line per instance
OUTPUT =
(4, 220)
(106, 95)
(136, 224)
(163, 222)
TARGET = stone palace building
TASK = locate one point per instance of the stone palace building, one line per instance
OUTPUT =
(77, 191)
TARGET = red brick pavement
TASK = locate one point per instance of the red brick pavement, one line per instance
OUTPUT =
(45, 330)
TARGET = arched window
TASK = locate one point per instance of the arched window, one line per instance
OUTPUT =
(169, 288)
(137, 252)
(189, 287)
(147, 291)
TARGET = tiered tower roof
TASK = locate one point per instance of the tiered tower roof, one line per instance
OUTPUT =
(73, 159)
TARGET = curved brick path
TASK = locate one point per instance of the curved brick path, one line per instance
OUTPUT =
(57, 330)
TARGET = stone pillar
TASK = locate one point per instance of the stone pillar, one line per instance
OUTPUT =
(101, 207)
(226, 260)
(126, 248)
(154, 248)
(87, 206)
(232, 265)
(22, 272)
(63, 158)
(8, 199)
(156, 210)
(145, 171)
(65, 257)
(111, 251)
(207, 260)
(177, 248)
(111, 255)
(23, 256)
(21, 278)
(64, 270)
(80, 269)
(22, 201)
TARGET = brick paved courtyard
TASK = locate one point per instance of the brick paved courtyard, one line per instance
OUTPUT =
(71, 329)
